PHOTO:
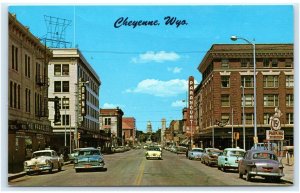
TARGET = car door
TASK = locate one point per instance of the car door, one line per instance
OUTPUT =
(221, 158)
(242, 163)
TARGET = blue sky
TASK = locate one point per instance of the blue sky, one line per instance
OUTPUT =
(144, 70)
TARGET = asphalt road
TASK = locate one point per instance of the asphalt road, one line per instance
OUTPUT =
(132, 169)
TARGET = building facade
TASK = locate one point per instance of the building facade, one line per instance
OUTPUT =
(111, 124)
(28, 126)
(129, 130)
(149, 127)
(225, 68)
(69, 72)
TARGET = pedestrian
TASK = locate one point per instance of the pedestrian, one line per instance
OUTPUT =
(187, 152)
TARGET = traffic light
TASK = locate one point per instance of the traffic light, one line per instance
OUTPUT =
(83, 100)
(56, 110)
(78, 135)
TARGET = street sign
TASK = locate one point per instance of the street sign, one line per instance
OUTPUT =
(275, 135)
(275, 124)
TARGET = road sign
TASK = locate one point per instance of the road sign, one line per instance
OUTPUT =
(275, 135)
(275, 124)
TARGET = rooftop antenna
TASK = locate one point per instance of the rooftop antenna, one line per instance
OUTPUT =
(56, 32)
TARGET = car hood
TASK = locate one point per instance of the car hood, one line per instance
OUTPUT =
(41, 159)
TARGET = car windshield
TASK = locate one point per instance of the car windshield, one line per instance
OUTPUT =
(236, 153)
(89, 152)
(198, 150)
(263, 155)
(38, 154)
(154, 149)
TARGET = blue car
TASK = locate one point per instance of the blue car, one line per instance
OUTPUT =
(195, 154)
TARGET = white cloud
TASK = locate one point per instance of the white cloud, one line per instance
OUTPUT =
(179, 103)
(111, 106)
(159, 57)
(175, 70)
(161, 88)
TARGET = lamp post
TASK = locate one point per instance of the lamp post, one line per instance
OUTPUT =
(244, 138)
(65, 121)
(234, 38)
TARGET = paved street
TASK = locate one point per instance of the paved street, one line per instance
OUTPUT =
(132, 169)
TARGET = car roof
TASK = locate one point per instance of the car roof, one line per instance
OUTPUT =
(233, 149)
(46, 150)
(197, 148)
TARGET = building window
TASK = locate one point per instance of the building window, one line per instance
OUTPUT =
(225, 63)
(267, 118)
(270, 81)
(247, 81)
(225, 81)
(107, 121)
(225, 117)
(266, 62)
(225, 100)
(19, 97)
(27, 99)
(15, 95)
(249, 118)
(14, 58)
(11, 94)
(288, 63)
(290, 118)
(65, 103)
(246, 62)
(249, 100)
(289, 81)
(289, 100)
(27, 66)
(65, 86)
(271, 100)
(57, 86)
(66, 119)
(57, 69)
(65, 69)
(274, 63)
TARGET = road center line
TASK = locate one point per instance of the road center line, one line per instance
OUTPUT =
(139, 177)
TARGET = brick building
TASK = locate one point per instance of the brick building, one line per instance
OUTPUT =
(129, 129)
(225, 68)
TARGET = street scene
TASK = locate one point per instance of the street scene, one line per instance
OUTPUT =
(135, 96)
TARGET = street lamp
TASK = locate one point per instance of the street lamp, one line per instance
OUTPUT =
(244, 138)
(63, 103)
(234, 38)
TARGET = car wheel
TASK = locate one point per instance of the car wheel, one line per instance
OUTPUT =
(224, 169)
(219, 168)
(59, 167)
(76, 170)
(240, 175)
(248, 176)
(50, 170)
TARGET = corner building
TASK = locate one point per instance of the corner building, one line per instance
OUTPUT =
(68, 71)
(227, 67)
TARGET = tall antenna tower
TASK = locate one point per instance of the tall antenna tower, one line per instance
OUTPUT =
(56, 32)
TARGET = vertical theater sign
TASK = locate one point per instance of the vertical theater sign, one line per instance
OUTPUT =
(190, 110)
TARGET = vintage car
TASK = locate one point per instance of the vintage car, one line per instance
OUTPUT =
(205, 153)
(43, 160)
(195, 154)
(153, 153)
(260, 163)
(229, 159)
(211, 158)
(89, 158)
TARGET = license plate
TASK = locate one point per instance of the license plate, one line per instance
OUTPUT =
(267, 170)
(87, 166)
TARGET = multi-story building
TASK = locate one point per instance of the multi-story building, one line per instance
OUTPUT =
(129, 129)
(176, 128)
(111, 123)
(225, 68)
(162, 133)
(28, 126)
(69, 72)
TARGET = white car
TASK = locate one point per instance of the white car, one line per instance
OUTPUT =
(43, 160)
(153, 152)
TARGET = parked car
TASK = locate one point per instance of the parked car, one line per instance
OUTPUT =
(260, 163)
(43, 160)
(195, 154)
(205, 153)
(153, 152)
(89, 158)
(229, 159)
(181, 150)
(211, 158)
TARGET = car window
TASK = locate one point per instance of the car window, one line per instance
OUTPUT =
(89, 152)
(198, 150)
(263, 155)
(38, 154)
(236, 153)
